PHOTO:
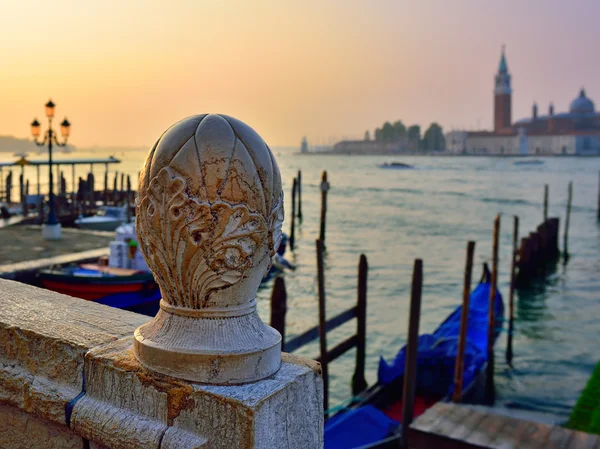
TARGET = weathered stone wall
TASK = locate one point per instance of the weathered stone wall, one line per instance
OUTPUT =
(68, 379)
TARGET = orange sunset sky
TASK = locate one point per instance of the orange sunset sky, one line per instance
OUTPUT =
(123, 71)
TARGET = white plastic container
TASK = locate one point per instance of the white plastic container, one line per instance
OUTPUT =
(118, 257)
(138, 262)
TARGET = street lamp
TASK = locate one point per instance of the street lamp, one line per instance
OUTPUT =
(51, 229)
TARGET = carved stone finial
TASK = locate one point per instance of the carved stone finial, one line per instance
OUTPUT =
(209, 217)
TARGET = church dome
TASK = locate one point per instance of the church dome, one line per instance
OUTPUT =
(582, 104)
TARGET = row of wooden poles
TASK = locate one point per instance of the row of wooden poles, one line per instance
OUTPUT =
(540, 248)
(358, 340)
(84, 197)
(297, 196)
(534, 250)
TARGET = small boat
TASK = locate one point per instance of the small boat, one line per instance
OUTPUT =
(123, 281)
(398, 165)
(116, 287)
(376, 415)
(8, 210)
(108, 218)
(529, 162)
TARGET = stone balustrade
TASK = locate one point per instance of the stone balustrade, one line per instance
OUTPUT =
(206, 372)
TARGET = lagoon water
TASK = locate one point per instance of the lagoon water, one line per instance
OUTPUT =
(394, 216)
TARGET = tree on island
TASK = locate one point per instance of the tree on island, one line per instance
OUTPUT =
(378, 135)
(414, 132)
(399, 129)
(390, 133)
(387, 132)
(433, 139)
(367, 135)
(414, 135)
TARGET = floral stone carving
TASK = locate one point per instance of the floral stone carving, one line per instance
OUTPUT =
(208, 220)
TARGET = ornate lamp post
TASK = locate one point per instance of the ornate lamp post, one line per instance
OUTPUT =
(51, 229)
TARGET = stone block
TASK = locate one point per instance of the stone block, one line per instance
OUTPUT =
(21, 430)
(43, 339)
(133, 404)
(139, 408)
(284, 410)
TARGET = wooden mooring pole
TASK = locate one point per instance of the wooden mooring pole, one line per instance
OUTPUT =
(115, 186)
(358, 340)
(122, 186)
(299, 177)
(22, 191)
(279, 308)
(545, 202)
(105, 199)
(598, 195)
(459, 368)
(9, 187)
(359, 383)
(25, 205)
(293, 216)
(63, 185)
(322, 323)
(511, 294)
(90, 191)
(40, 199)
(490, 394)
(568, 220)
(73, 192)
(410, 367)
(324, 190)
(128, 202)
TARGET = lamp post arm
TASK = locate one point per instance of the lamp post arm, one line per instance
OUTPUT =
(60, 144)
(42, 142)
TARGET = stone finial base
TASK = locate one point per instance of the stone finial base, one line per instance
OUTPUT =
(213, 350)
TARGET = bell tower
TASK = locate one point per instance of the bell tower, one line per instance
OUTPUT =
(502, 96)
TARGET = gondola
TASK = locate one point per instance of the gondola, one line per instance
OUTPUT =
(375, 416)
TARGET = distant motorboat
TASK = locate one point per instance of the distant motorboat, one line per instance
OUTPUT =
(9, 210)
(400, 165)
(529, 162)
(107, 218)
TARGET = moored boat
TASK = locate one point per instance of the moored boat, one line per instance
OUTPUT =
(108, 218)
(115, 287)
(376, 414)
(123, 281)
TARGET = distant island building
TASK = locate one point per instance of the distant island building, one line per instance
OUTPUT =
(399, 145)
(574, 132)
(304, 145)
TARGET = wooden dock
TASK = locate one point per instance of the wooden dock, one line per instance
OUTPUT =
(452, 426)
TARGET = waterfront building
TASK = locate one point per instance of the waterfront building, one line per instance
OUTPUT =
(575, 132)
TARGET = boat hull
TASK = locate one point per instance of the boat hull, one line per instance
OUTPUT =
(99, 225)
(124, 292)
